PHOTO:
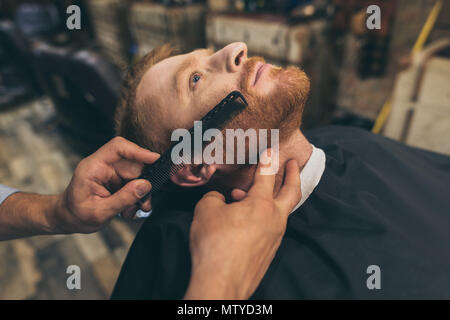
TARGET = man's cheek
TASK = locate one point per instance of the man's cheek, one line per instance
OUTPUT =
(214, 93)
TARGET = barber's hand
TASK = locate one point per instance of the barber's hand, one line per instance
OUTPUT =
(232, 245)
(103, 186)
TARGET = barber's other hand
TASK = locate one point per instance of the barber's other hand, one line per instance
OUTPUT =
(103, 186)
(232, 245)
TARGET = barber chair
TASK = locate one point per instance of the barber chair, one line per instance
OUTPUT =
(38, 19)
(17, 74)
(84, 88)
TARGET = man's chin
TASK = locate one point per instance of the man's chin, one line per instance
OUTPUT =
(294, 77)
(266, 88)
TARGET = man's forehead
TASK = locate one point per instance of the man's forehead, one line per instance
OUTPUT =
(161, 75)
(176, 61)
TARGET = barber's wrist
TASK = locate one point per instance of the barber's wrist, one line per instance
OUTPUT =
(58, 215)
(209, 288)
(213, 283)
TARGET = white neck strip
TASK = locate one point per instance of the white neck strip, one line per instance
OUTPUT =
(311, 174)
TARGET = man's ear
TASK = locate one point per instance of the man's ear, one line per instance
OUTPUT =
(194, 175)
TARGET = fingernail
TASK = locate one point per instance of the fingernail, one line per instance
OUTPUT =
(266, 158)
(142, 189)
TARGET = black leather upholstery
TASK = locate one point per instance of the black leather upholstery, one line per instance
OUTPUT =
(17, 51)
(84, 88)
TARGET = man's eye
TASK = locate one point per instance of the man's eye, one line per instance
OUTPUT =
(195, 78)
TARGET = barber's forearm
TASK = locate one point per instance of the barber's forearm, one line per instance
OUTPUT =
(25, 214)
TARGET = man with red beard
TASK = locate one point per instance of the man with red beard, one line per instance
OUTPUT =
(364, 200)
(166, 92)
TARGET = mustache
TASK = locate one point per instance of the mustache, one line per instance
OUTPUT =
(248, 71)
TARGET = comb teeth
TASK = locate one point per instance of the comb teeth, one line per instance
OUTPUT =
(162, 169)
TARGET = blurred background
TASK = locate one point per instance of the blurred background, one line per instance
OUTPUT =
(59, 88)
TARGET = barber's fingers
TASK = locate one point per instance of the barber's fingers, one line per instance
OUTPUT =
(147, 205)
(120, 148)
(290, 191)
(214, 196)
(127, 169)
(238, 194)
(126, 197)
(264, 179)
(210, 201)
(130, 212)
(115, 175)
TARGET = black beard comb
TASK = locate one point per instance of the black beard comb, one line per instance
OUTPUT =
(161, 170)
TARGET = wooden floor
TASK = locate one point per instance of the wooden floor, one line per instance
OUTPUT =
(35, 158)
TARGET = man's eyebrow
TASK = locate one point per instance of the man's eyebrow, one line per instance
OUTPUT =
(206, 52)
(189, 62)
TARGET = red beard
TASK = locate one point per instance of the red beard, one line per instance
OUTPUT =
(280, 109)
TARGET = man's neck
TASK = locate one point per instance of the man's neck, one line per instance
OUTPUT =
(296, 147)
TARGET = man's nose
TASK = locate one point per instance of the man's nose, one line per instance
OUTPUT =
(232, 57)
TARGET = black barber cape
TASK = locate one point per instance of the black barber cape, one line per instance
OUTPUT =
(378, 202)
